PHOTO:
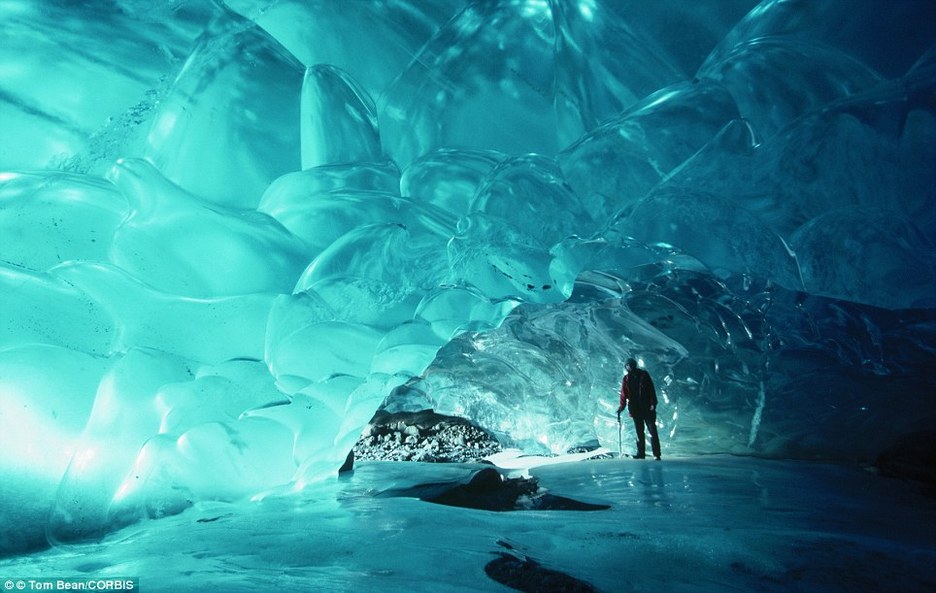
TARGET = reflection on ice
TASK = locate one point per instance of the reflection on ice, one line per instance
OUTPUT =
(714, 523)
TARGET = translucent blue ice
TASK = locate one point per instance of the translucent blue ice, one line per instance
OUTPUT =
(230, 232)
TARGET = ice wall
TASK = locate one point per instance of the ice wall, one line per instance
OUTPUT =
(230, 231)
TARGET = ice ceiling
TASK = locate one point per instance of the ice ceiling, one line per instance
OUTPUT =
(231, 231)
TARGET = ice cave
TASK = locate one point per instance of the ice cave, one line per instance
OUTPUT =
(236, 234)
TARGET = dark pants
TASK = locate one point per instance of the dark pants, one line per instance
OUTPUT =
(648, 419)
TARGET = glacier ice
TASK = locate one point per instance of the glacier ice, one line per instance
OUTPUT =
(283, 216)
(241, 70)
(339, 124)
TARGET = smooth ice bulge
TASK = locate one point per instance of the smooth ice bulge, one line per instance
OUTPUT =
(242, 72)
(283, 216)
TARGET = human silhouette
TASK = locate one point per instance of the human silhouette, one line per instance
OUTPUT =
(639, 397)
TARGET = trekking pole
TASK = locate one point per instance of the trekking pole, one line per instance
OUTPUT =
(620, 445)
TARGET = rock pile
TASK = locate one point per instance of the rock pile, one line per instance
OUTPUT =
(424, 436)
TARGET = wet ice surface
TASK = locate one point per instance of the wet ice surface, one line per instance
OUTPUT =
(692, 524)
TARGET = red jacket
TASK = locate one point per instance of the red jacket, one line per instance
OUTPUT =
(638, 393)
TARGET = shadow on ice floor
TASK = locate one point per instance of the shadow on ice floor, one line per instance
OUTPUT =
(693, 524)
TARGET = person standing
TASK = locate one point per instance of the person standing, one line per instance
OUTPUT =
(639, 397)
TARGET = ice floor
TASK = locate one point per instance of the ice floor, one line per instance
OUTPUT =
(695, 524)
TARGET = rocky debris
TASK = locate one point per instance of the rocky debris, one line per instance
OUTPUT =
(423, 436)
(588, 447)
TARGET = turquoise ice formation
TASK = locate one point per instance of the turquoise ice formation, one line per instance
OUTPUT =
(232, 231)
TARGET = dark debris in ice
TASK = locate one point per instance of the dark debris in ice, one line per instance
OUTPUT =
(436, 438)
(912, 457)
(526, 574)
(486, 489)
